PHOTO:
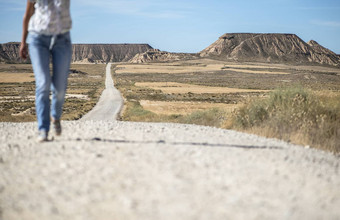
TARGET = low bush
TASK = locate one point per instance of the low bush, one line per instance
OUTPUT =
(135, 112)
(294, 114)
(212, 117)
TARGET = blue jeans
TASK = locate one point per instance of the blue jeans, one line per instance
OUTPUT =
(42, 49)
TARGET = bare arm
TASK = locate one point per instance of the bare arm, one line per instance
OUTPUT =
(28, 14)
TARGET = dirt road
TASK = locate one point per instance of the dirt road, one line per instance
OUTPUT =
(107, 169)
(109, 104)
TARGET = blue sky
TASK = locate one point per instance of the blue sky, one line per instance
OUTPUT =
(187, 25)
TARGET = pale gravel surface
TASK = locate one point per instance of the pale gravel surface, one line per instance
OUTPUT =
(106, 169)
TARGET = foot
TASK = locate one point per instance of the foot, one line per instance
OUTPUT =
(42, 136)
(57, 127)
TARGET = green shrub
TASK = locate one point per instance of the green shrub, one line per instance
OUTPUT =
(135, 112)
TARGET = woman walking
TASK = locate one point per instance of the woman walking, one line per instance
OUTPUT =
(46, 27)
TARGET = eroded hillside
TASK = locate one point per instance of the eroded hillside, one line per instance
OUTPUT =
(82, 53)
(283, 48)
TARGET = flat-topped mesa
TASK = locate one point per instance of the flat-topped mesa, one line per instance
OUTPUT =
(269, 48)
(104, 53)
(82, 53)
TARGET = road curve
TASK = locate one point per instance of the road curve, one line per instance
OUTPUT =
(109, 104)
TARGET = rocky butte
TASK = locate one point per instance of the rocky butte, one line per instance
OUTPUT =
(249, 47)
(278, 48)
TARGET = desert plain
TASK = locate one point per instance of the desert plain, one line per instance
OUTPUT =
(179, 87)
(182, 87)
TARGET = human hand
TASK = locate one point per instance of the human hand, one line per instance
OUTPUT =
(23, 51)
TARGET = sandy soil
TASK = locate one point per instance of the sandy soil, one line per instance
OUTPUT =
(183, 108)
(256, 71)
(16, 77)
(173, 87)
(173, 69)
(161, 68)
(207, 65)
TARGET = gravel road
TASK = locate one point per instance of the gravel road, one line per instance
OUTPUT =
(109, 104)
(107, 169)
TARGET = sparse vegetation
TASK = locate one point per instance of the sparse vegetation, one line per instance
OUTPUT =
(307, 115)
(211, 117)
(294, 114)
(17, 91)
(214, 117)
(87, 79)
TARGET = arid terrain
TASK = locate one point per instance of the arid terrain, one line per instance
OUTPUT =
(172, 91)
(211, 92)
(101, 168)
(212, 87)
(210, 81)
(17, 91)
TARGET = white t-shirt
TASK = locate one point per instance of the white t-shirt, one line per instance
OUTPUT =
(50, 17)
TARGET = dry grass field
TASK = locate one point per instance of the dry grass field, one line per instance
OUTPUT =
(184, 108)
(214, 81)
(205, 65)
(17, 91)
(213, 92)
(249, 97)
(179, 88)
(16, 78)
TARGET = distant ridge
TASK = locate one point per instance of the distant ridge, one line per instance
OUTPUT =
(155, 55)
(104, 53)
(82, 53)
(281, 48)
(9, 53)
(251, 47)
